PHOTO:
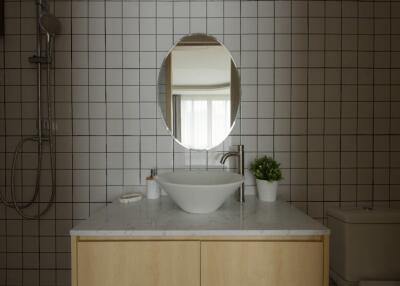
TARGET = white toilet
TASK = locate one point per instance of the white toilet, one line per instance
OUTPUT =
(365, 247)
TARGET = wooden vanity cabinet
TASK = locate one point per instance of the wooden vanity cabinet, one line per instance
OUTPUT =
(261, 263)
(144, 263)
(294, 261)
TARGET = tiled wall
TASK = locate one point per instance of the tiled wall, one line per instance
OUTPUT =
(320, 91)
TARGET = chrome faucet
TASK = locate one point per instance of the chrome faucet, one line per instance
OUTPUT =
(240, 155)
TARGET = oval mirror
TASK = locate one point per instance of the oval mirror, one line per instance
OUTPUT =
(199, 92)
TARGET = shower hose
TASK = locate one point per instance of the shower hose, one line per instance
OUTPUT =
(40, 140)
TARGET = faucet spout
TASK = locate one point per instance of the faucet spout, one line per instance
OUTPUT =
(227, 155)
(240, 155)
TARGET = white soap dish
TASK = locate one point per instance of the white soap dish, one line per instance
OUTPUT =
(130, 197)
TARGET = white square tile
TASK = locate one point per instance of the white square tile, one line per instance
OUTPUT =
(115, 127)
(148, 76)
(131, 110)
(181, 26)
(181, 9)
(130, 43)
(114, 177)
(147, 26)
(164, 43)
(164, 9)
(113, 26)
(147, 60)
(215, 9)
(79, 42)
(113, 8)
(131, 177)
(130, 26)
(198, 9)
(147, 9)
(130, 9)
(114, 93)
(114, 76)
(165, 160)
(198, 25)
(96, 9)
(115, 160)
(148, 160)
(131, 127)
(79, 9)
(231, 9)
(266, 25)
(130, 93)
(164, 144)
(231, 25)
(131, 143)
(62, 9)
(113, 42)
(96, 25)
(79, 25)
(97, 43)
(130, 76)
(131, 160)
(249, 9)
(215, 25)
(283, 9)
(114, 110)
(148, 126)
(164, 26)
(232, 42)
(249, 126)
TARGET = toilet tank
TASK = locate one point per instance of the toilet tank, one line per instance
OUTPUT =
(365, 244)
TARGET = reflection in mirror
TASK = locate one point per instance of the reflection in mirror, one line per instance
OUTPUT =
(199, 92)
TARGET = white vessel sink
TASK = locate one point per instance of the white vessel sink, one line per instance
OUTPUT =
(199, 191)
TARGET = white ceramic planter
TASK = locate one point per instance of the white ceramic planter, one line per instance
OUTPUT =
(267, 190)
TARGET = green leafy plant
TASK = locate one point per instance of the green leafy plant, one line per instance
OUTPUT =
(266, 168)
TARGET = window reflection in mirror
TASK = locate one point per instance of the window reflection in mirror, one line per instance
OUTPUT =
(199, 92)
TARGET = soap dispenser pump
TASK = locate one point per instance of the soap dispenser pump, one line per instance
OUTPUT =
(153, 191)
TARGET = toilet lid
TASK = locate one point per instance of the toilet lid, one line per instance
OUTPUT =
(360, 215)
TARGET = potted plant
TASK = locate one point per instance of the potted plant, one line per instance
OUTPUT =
(267, 172)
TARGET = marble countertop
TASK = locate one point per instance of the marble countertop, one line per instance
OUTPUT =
(163, 217)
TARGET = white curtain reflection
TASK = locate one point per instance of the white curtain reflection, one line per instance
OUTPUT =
(205, 120)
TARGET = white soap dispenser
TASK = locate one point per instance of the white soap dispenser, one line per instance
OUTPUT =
(153, 191)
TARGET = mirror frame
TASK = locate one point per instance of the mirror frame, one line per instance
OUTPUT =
(232, 124)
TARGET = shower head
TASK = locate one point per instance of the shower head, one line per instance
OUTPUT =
(50, 24)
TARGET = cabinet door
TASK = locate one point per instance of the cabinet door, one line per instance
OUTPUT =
(262, 263)
(138, 263)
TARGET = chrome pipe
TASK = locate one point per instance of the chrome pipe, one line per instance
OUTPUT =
(240, 167)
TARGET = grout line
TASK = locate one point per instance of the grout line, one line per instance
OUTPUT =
(140, 94)
(105, 99)
(122, 99)
(290, 102)
(341, 101)
(156, 81)
(373, 107)
(390, 100)
(88, 106)
(173, 42)
(22, 159)
(5, 161)
(273, 80)
(308, 112)
(190, 151)
(53, 121)
(357, 81)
